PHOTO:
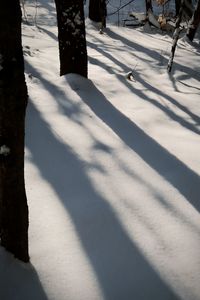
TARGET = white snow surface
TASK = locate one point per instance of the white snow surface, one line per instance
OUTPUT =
(112, 168)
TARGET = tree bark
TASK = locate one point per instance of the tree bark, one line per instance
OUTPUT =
(71, 37)
(98, 11)
(13, 102)
(177, 5)
(187, 7)
(175, 36)
(194, 22)
(148, 6)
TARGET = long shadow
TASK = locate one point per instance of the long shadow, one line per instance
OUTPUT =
(143, 96)
(53, 89)
(162, 200)
(160, 58)
(194, 45)
(106, 50)
(189, 72)
(50, 86)
(74, 112)
(18, 280)
(58, 94)
(179, 175)
(189, 85)
(152, 53)
(122, 271)
(179, 105)
(156, 91)
(49, 33)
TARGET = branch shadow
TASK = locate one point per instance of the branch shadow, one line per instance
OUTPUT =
(53, 89)
(155, 55)
(183, 122)
(101, 106)
(74, 113)
(18, 280)
(189, 85)
(48, 32)
(122, 271)
(166, 164)
(148, 86)
(151, 53)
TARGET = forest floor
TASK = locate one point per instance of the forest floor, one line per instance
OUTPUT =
(112, 168)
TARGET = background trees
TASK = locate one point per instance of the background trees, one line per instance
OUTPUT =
(97, 11)
(177, 5)
(71, 36)
(148, 5)
(194, 22)
(13, 101)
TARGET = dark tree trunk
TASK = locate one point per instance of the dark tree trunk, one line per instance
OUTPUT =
(148, 6)
(13, 101)
(175, 36)
(194, 22)
(178, 5)
(188, 8)
(71, 36)
(98, 11)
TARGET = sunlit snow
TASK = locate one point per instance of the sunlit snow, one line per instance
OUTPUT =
(112, 167)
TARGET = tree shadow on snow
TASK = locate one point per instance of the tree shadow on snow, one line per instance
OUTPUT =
(122, 271)
(166, 164)
(48, 32)
(160, 58)
(151, 53)
(18, 280)
(131, 134)
(60, 95)
(147, 86)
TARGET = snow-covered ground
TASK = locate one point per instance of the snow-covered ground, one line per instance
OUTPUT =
(112, 169)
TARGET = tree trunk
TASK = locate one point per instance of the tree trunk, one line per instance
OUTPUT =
(187, 7)
(13, 101)
(71, 37)
(194, 22)
(177, 5)
(148, 6)
(175, 36)
(98, 11)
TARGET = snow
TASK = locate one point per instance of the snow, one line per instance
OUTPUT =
(4, 150)
(112, 168)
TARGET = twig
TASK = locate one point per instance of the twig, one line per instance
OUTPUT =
(120, 8)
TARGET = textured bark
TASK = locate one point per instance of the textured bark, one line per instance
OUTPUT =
(13, 101)
(194, 22)
(71, 37)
